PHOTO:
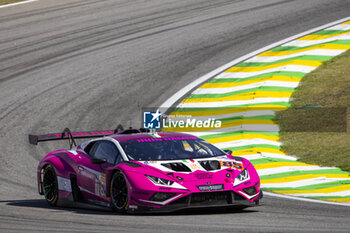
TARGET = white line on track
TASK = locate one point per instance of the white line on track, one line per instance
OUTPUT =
(247, 74)
(239, 128)
(246, 127)
(343, 27)
(233, 129)
(253, 100)
(325, 194)
(246, 142)
(305, 199)
(247, 113)
(17, 3)
(303, 182)
(225, 90)
(264, 155)
(276, 170)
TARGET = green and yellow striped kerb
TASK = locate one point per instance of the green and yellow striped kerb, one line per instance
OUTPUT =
(245, 98)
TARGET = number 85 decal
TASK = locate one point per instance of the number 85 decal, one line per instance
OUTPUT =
(231, 164)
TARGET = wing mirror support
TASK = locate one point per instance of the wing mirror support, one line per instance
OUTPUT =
(228, 152)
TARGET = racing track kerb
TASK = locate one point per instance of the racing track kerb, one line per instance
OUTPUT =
(280, 161)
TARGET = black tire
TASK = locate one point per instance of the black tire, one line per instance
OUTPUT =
(50, 185)
(119, 193)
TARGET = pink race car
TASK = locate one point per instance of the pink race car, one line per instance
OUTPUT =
(134, 172)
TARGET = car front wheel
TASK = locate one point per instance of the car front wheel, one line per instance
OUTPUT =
(119, 193)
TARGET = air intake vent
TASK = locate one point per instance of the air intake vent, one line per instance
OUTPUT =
(211, 198)
(210, 165)
(178, 167)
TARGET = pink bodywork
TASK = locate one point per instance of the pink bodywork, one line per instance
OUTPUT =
(94, 180)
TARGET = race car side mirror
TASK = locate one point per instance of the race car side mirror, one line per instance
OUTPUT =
(98, 160)
(228, 152)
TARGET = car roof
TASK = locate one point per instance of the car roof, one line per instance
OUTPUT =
(127, 137)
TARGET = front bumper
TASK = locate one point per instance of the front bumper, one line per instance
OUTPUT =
(219, 199)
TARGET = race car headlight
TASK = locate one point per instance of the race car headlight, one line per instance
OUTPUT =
(244, 175)
(159, 181)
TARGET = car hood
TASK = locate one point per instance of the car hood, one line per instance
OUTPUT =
(187, 170)
(200, 164)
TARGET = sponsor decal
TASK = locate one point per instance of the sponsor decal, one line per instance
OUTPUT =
(87, 174)
(64, 184)
(77, 134)
(231, 164)
(133, 207)
(102, 178)
(195, 166)
(141, 192)
(100, 189)
(210, 187)
(203, 176)
(165, 139)
(100, 186)
(149, 162)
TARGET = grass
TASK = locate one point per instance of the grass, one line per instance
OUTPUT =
(315, 128)
(4, 2)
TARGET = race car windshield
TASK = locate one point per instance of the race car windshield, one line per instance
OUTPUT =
(169, 149)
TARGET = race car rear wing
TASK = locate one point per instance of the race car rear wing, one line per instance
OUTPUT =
(71, 136)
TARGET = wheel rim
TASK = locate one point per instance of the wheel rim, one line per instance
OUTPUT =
(120, 192)
(49, 185)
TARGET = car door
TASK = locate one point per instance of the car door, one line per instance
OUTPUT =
(92, 177)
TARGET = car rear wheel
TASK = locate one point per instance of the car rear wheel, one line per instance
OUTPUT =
(50, 185)
(119, 193)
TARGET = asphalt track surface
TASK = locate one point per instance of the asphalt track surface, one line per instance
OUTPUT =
(91, 65)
